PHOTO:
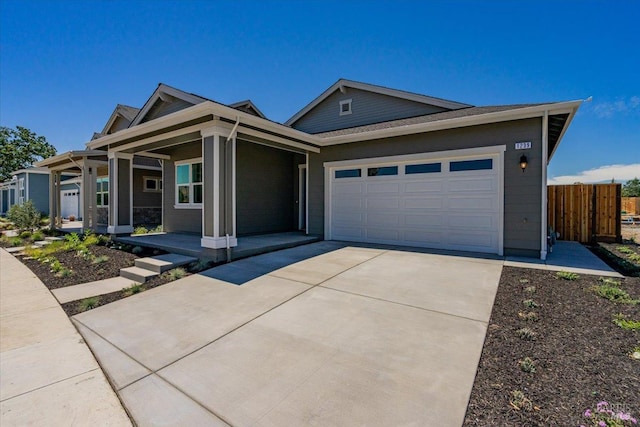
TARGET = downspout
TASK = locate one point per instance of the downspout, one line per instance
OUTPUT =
(545, 155)
(228, 188)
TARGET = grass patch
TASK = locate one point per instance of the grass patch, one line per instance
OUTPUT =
(627, 324)
(100, 259)
(526, 334)
(520, 402)
(175, 274)
(89, 303)
(529, 316)
(529, 303)
(610, 289)
(566, 275)
(135, 288)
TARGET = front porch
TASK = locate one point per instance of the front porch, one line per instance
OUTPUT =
(190, 244)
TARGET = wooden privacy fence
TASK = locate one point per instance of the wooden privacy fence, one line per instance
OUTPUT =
(585, 212)
(631, 205)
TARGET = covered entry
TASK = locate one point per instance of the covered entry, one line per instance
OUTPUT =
(446, 200)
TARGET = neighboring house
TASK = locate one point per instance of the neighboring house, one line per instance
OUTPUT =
(31, 183)
(360, 163)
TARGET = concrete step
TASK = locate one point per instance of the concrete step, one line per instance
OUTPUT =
(15, 249)
(162, 263)
(53, 238)
(42, 243)
(137, 274)
(91, 289)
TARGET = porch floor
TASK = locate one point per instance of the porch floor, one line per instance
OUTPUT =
(189, 244)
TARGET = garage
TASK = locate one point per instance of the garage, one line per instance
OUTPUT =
(437, 200)
(69, 201)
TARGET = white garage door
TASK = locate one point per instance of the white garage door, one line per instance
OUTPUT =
(69, 203)
(445, 203)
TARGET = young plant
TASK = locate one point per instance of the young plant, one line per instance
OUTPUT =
(529, 303)
(520, 402)
(37, 236)
(529, 316)
(158, 229)
(566, 275)
(610, 289)
(16, 241)
(634, 257)
(625, 250)
(626, 324)
(135, 288)
(140, 230)
(175, 274)
(608, 416)
(527, 365)
(198, 266)
(526, 334)
(100, 259)
(89, 303)
(530, 289)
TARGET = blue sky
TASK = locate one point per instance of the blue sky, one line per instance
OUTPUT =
(64, 65)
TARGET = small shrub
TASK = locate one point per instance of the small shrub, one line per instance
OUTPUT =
(89, 303)
(16, 241)
(158, 229)
(566, 275)
(199, 265)
(530, 289)
(100, 259)
(529, 303)
(634, 257)
(604, 415)
(72, 241)
(529, 316)
(24, 216)
(626, 324)
(25, 235)
(527, 365)
(625, 250)
(175, 274)
(64, 272)
(526, 334)
(609, 289)
(520, 402)
(137, 250)
(140, 230)
(135, 288)
(37, 236)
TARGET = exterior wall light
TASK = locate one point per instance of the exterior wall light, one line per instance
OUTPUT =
(523, 162)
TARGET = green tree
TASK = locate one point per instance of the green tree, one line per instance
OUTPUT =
(631, 188)
(20, 148)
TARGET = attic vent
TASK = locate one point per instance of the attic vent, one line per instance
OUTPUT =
(345, 107)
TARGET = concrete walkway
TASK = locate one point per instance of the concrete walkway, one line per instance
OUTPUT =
(351, 336)
(48, 376)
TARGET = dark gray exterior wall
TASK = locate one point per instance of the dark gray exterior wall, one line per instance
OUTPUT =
(124, 200)
(161, 108)
(367, 107)
(522, 191)
(141, 198)
(179, 220)
(39, 191)
(264, 189)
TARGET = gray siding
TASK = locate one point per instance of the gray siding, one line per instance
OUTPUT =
(124, 200)
(264, 189)
(161, 108)
(39, 191)
(119, 124)
(522, 195)
(141, 198)
(179, 220)
(367, 107)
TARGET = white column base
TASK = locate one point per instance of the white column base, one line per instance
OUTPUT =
(119, 229)
(218, 242)
(543, 255)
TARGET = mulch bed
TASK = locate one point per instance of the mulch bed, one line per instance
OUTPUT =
(73, 307)
(610, 253)
(82, 271)
(581, 357)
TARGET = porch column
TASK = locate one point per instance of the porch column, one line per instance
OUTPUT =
(218, 217)
(120, 193)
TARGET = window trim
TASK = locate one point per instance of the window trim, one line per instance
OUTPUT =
(190, 205)
(347, 102)
(102, 179)
(156, 179)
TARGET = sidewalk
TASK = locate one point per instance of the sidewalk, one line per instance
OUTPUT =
(48, 376)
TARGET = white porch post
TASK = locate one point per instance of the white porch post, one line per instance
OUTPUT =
(120, 193)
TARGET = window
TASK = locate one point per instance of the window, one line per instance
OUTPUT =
(189, 183)
(152, 184)
(471, 165)
(348, 173)
(21, 193)
(423, 168)
(387, 170)
(345, 107)
(102, 191)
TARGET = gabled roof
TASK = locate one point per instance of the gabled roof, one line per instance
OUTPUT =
(410, 96)
(126, 112)
(248, 107)
(164, 93)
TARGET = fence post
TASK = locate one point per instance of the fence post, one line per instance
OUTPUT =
(619, 213)
(594, 199)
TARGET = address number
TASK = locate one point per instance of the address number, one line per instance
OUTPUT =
(523, 145)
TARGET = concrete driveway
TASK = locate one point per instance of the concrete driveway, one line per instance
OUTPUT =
(352, 336)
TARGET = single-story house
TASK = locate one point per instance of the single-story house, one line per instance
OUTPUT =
(32, 183)
(360, 163)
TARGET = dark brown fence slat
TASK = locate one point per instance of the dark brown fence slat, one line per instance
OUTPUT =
(585, 212)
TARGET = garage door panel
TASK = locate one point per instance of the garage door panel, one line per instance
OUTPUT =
(382, 203)
(441, 209)
(423, 203)
(434, 185)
